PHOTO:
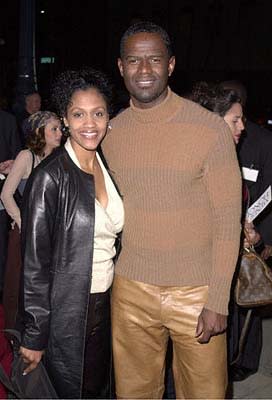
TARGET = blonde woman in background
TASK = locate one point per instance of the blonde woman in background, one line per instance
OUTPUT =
(44, 136)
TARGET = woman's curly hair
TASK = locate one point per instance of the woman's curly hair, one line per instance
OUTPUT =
(70, 81)
(37, 122)
(213, 97)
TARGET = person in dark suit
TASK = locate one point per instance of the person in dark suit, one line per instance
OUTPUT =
(28, 104)
(255, 158)
(255, 154)
(10, 146)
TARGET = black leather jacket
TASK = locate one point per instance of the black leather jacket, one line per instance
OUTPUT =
(57, 242)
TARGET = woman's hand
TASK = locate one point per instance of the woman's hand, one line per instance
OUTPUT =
(252, 236)
(31, 357)
(5, 166)
(267, 252)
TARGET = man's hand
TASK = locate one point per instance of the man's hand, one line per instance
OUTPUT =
(267, 252)
(5, 166)
(31, 357)
(210, 324)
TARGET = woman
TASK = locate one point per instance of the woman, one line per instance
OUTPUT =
(223, 102)
(44, 136)
(227, 104)
(72, 216)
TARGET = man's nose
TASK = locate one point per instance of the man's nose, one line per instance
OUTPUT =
(145, 66)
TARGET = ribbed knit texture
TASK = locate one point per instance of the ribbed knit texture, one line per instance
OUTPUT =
(176, 166)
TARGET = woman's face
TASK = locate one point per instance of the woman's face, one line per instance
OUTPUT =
(87, 119)
(234, 120)
(52, 134)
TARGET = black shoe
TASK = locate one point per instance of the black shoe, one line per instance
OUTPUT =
(239, 373)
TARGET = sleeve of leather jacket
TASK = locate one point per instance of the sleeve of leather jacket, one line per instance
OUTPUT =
(38, 219)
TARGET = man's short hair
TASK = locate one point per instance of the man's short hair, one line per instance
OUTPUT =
(148, 27)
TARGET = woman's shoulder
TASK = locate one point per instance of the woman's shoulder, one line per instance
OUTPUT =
(24, 156)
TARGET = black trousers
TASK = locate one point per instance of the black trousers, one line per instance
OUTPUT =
(98, 374)
(4, 229)
(253, 344)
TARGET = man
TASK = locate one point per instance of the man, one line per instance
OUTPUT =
(10, 146)
(32, 104)
(176, 166)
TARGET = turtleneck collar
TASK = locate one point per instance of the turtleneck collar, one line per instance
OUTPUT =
(161, 111)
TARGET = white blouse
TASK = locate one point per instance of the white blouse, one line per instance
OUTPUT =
(108, 222)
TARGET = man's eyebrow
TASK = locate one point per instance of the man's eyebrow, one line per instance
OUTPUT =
(158, 54)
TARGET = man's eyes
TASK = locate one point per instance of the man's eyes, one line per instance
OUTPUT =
(153, 60)
(133, 61)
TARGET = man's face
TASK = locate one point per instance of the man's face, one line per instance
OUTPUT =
(145, 67)
(33, 103)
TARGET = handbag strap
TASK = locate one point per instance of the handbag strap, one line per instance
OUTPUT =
(4, 379)
(13, 332)
(242, 337)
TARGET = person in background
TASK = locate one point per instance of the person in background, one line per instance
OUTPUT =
(10, 146)
(31, 104)
(44, 136)
(255, 158)
(227, 103)
(176, 166)
(72, 214)
(254, 153)
(224, 102)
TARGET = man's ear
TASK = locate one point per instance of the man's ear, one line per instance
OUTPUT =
(171, 65)
(120, 66)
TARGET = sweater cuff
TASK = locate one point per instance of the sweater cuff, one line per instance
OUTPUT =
(218, 298)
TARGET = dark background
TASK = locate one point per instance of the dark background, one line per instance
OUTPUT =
(213, 40)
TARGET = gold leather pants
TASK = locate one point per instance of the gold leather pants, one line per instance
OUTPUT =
(143, 318)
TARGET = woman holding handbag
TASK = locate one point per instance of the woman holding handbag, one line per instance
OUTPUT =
(45, 135)
(227, 104)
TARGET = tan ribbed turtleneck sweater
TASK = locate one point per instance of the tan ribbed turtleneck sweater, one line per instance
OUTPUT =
(176, 167)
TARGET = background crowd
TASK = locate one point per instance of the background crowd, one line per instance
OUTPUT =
(178, 150)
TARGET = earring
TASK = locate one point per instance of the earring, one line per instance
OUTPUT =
(109, 126)
(65, 130)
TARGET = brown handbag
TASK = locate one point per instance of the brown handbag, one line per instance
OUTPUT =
(254, 283)
(253, 289)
